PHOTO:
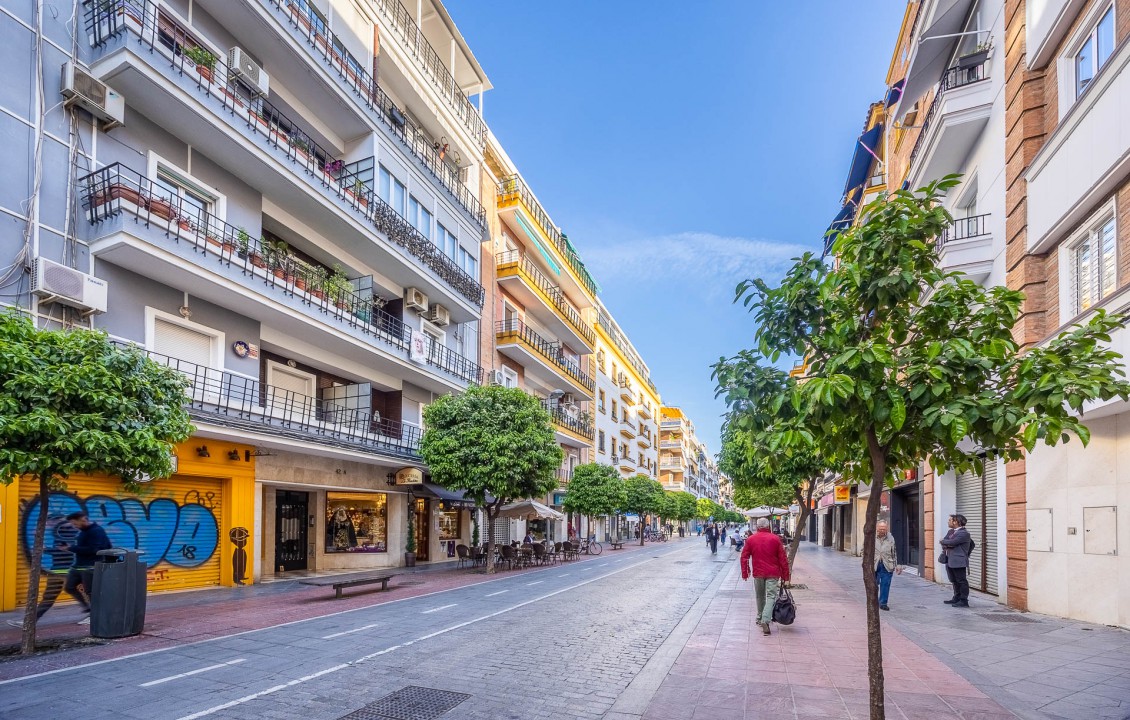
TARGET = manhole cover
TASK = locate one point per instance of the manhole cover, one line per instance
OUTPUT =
(1007, 617)
(409, 703)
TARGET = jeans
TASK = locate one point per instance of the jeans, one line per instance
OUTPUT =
(75, 576)
(883, 579)
(960, 580)
(766, 590)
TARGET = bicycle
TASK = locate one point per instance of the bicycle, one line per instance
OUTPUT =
(589, 546)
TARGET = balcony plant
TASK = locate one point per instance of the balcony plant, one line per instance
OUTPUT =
(242, 242)
(317, 282)
(277, 255)
(205, 61)
(976, 56)
(301, 147)
(338, 288)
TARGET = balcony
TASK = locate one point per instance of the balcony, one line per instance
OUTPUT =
(518, 342)
(967, 247)
(626, 393)
(954, 123)
(628, 425)
(644, 441)
(522, 279)
(516, 202)
(644, 410)
(670, 424)
(136, 225)
(674, 465)
(573, 428)
(263, 414)
(257, 142)
(671, 444)
(627, 464)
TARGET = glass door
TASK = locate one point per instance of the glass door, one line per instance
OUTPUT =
(423, 514)
(291, 510)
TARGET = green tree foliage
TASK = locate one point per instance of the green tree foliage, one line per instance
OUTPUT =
(595, 490)
(644, 497)
(74, 402)
(669, 508)
(903, 362)
(688, 506)
(491, 441)
(705, 508)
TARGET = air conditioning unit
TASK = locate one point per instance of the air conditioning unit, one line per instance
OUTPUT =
(439, 315)
(497, 378)
(96, 97)
(248, 71)
(568, 400)
(58, 283)
(415, 299)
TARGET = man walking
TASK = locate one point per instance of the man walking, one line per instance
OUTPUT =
(886, 562)
(763, 556)
(91, 538)
(957, 545)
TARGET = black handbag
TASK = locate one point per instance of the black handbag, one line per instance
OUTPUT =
(784, 610)
(943, 559)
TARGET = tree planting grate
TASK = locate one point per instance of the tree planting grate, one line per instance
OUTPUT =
(1007, 617)
(409, 703)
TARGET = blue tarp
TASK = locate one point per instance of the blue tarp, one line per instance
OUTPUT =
(894, 93)
(862, 158)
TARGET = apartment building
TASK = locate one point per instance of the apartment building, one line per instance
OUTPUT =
(541, 294)
(281, 199)
(1068, 245)
(685, 463)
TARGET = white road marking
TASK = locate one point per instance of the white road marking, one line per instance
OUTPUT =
(535, 582)
(563, 575)
(192, 672)
(441, 607)
(496, 593)
(602, 564)
(347, 632)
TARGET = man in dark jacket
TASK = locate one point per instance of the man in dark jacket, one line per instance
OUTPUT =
(91, 538)
(763, 556)
(956, 548)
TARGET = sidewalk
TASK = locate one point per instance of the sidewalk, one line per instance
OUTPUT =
(939, 662)
(183, 617)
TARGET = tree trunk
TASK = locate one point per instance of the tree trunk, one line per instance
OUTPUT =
(490, 538)
(641, 526)
(802, 521)
(874, 630)
(31, 607)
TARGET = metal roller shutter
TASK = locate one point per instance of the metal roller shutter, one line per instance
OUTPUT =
(175, 522)
(971, 504)
(989, 550)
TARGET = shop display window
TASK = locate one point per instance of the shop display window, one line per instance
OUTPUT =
(449, 525)
(356, 522)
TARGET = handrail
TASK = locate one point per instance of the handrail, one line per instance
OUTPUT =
(116, 189)
(558, 415)
(549, 350)
(242, 402)
(630, 354)
(554, 293)
(513, 185)
(952, 78)
(963, 229)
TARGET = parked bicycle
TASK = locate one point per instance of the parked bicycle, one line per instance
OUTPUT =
(654, 535)
(589, 546)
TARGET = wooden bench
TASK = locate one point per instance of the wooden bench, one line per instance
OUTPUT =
(617, 544)
(339, 582)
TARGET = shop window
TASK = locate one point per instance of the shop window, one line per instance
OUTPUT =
(356, 522)
(449, 528)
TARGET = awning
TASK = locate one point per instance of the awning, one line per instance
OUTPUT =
(454, 497)
(862, 158)
(933, 51)
(894, 93)
(530, 510)
(843, 220)
(533, 236)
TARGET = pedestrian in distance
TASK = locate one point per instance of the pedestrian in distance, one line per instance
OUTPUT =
(763, 557)
(957, 546)
(723, 534)
(886, 562)
(91, 538)
(712, 538)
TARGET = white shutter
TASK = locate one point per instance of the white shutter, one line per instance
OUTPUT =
(971, 504)
(182, 343)
(989, 549)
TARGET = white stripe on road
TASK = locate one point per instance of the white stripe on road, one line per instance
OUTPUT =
(441, 607)
(563, 575)
(347, 632)
(602, 564)
(535, 582)
(496, 593)
(192, 672)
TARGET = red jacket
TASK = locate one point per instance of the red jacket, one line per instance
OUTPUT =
(766, 553)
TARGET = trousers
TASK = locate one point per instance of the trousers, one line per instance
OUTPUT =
(883, 578)
(766, 590)
(960, 580)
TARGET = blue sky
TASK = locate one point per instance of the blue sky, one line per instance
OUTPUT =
(683, 146)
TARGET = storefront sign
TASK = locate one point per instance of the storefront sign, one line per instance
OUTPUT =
(843, 494)
(418, 347)
(825, 500)
(409, 476)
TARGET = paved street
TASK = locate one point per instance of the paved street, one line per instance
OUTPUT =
(663, 633)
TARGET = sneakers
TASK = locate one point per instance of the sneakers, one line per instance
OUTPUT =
(16, 623)
(951, 601)
(961, 603)
(884, 607)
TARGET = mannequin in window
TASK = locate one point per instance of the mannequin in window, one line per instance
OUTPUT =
(340, 534)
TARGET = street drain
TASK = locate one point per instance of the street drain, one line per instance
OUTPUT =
(1007, 617)
(409, 703)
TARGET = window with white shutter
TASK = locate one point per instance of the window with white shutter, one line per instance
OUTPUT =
(1094, 263)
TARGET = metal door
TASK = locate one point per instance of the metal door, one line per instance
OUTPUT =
(291, 513)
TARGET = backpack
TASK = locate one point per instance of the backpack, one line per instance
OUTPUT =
(784, 610)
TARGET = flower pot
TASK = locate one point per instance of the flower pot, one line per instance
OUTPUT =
(162, 208)
(972, 59)
(409, 559)
(205, 72)
(257, 260)
(184, 223)
(118, 191)
(300, 283)
(213, 243)
(228, 247)
(279, 273)
(318, 294)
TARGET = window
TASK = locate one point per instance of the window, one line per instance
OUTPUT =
(446, 240)
(601, 406)
(356, 522)
(1096, 50)
(600, 360)
(509, 377)
(420, 218)
(600, 441)
(1093, 265)
(391, 190)
(614, 415)
(468, 263)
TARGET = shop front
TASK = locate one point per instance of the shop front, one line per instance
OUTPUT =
(192, 528)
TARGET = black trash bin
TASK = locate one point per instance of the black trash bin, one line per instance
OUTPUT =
(117, 599)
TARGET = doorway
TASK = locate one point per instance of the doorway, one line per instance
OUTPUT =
(906, 526)
(291, 520)
(423, 539)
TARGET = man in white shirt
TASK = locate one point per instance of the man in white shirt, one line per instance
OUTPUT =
(886, 562)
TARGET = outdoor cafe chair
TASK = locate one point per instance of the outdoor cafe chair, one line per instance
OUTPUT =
(463, 553)
(541, 557)
(507, 555)
(568, 551)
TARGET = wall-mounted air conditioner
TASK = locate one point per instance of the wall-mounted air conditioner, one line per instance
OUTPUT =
(415, 299)
(96, 97)
(248, 71)
(438, 315)
(497, 378)
(53, 282)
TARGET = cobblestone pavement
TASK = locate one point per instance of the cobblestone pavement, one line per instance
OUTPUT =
(559, 642)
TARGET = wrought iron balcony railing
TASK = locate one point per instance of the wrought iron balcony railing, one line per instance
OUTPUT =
(954, 77)
(243, 403)
(963, 229)
(116, 189)
(574, 423)
(551, 351)
(553, 292)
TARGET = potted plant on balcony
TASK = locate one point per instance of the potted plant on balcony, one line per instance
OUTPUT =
(301, 148)
(162, 208)
(205, 61)
(338, 288)
(359, 192)
(242, 243)
(317, 282)
(277, 254)
(410, 544)
(976, 56)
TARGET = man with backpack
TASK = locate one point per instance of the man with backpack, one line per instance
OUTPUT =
(763, 556)
(957, 546)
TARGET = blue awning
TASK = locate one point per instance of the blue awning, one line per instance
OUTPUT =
(843, 220)
(863, 157)
(894, 92)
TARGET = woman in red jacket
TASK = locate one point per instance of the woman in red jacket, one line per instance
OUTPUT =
(764, 553)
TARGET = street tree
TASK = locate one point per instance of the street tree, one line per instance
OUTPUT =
(668, 509)
(494, 443)
(905, 362)
(644, 497)
(75, 402)
(596, 489)
(688, 506)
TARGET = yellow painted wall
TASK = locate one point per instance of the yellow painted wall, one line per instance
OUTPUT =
(184, 524)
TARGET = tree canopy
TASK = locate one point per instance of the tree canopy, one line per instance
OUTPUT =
(75, 402)
(643, 496)
(491, 441)
(594, 490)
(904, 361)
